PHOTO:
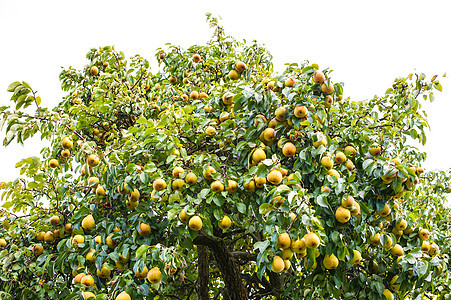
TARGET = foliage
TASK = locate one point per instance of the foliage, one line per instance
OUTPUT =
(133, 130)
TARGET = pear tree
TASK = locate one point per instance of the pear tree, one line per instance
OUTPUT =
(214, 176)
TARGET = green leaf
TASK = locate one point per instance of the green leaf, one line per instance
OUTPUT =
(261, 246)
(141, 250)
(13, 86)
(241, 207)
(321, 201)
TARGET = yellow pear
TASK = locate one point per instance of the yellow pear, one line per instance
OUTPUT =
(90, 256)
(357, 257)
(274, 177)
(195, 223)
(159, 184)
(342, 214)
(183, 216)
(87, 280)
(258, 155)
(397, 250)
(388, 295)
(284, 241)
(142, 274)
(123, 296)
(144, 229)
(277, 264)
(154, 275)
(225, 223)
(311, 240)
(88, 223)
(330, 261)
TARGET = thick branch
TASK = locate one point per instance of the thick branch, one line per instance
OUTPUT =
(229, 269)
(203, 275)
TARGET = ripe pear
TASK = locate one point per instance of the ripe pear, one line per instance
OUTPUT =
(92, 160)
(78, 239)
(355, 210)
(123, 296)
(240, 66)
(320, 142)
(144, 229)
(357, 257)
(177, 185)
(88, 223)
(333, 172)
(319, 77)
(37, 249)
(348, 202)
(280, 113)
(350, 165)
(393, 285)
(425, 246)
(104, 272)
(210, 131)
(183, 216)
(289, 82)
(217, 186)
(300, 111)
(233, 75)
(100, 191)
(258, 155)
(90, 256)
(277, 264)
(401, 224)
(388, 243)
(195, 223)
(340, 157)
(142, 274)
(67, 143)
(311, 240)
(232, 186)
(225, 223)
(94, 70)
(274, 177)
(328, 89)
(208, 171)
(385, 211)
(375, 150)
(298, 245)
(342, 214)
(397, 250)
(289, 149)
(388, 295)
(55, 220)
(287, 264)
(154, 275)
(375, 239)
(87, 280)
(191, 178)
(177, 171)
(159, 184)
(260, 182)
(327, 163)
(330, 261)
(65, 153)
(284, 241)
(287, 253)
(269, 134)
(250, 186)
(48, 237)
(53, 163)
(88, 295)
(423, 234)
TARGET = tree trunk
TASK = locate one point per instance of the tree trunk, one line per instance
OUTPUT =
(202, 266)
(230, 271)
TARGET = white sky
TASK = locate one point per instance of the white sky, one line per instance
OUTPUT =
(367, 45)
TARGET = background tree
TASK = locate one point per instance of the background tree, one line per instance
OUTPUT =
(217, 177)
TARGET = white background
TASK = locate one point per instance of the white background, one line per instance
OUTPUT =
(367, 44)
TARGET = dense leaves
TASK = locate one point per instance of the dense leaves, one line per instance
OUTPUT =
(217, 177)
